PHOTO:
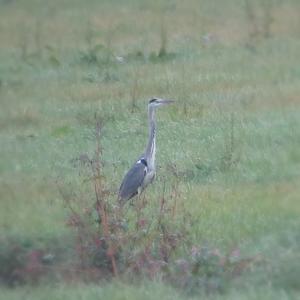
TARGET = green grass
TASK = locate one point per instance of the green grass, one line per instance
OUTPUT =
(145, 291)
(243, 191)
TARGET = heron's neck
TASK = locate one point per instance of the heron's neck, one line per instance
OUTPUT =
(150, 150)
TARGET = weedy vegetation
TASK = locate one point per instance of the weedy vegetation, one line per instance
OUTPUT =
(221, 220)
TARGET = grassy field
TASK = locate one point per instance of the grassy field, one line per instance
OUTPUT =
(233, 136)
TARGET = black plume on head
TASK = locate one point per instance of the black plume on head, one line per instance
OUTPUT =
(152, 100)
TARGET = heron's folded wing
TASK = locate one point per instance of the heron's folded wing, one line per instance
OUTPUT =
(132, 181)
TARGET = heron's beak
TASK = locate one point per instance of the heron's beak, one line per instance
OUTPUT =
(166, 101)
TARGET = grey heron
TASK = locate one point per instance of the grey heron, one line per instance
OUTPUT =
(142, 172)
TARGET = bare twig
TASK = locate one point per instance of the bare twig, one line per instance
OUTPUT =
(101, 206)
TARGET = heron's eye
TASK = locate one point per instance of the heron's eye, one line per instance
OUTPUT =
(152, 100)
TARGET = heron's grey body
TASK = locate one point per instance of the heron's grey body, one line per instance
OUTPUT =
(142, 172)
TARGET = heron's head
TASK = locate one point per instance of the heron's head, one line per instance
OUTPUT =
(155, 102)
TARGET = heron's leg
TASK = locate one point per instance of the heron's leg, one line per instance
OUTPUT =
(144, 201)
(138, 207)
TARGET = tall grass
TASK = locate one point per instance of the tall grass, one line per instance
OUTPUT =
(228, 149)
